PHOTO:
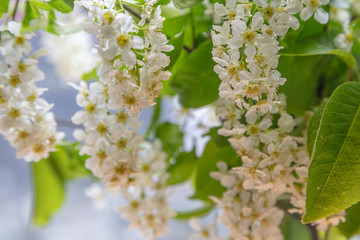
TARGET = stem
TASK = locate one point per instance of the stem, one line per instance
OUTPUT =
(65, 123)
(187, 49)
(193, 29)
(133, 12)
(327, 233)
(15, 9)
(314, 233)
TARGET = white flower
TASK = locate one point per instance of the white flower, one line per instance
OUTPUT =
(315, 6)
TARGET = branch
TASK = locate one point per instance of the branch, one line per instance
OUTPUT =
(133, 12)
(65, 123)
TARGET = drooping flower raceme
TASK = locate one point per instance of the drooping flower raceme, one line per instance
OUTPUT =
(25, 119)
(273, 161)
(130, 74)
(133, 54)
(125, 164)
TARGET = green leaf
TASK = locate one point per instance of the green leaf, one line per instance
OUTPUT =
(205, 185)
(185, 3)
(4, 6)
(352, 225)
(50, 176)
(60, 6)
(195, 81)
(300, 89)
(49, 191)
(292, 229)
(171, 137)
(198, 212)
(334, 180)
(175, 25)
(313, 128)
(183, 168)
(176, 41)
(321, 44)
(89, 76)
(220, 140)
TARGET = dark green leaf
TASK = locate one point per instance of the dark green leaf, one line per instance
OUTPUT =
(321, 44)
(171, 137)
(175, 25)
(198, 212)
(352, 225)
(183, 168)
(195, 81)
(334, 179)
(292, 229)
(220, 140)
(176, 41)
(302, 74)
(205, 185)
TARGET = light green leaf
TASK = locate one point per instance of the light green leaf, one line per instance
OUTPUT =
(183, 168)
(205, 185)
(60, 6)
(334, 173)
(321, 44)
(195, 81)
(352, 225)
(313, 128)
(89, 76)
(49, 191)
(4, 6)
(50, 176)
(185, 3)
(198, 212)
(302, 74)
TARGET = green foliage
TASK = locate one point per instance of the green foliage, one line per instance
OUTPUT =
(170, 136)
(175, 25)
(4, 6)
(195, 81)
(300, 89)
(352, 225)
(89, 76)
(183, 168)
(198, 212)
(61, 6)
(333, 180)
(49, 177)
(220, 140)
(177, 41)
(205, 185)
(321, 44)
(49, 191)
(185, 3)
(292, 229)
(313, 128)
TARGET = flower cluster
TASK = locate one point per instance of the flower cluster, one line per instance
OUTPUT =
(273, 163)
(133, 53)
(25, 120)
(118, 159)
(246, 47)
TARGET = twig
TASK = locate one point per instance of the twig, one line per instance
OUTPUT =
(133, 12)
(327, 233)
(15, 9)
(65, 123)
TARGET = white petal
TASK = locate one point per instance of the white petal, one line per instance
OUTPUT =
(306, 13)
(321, 16)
